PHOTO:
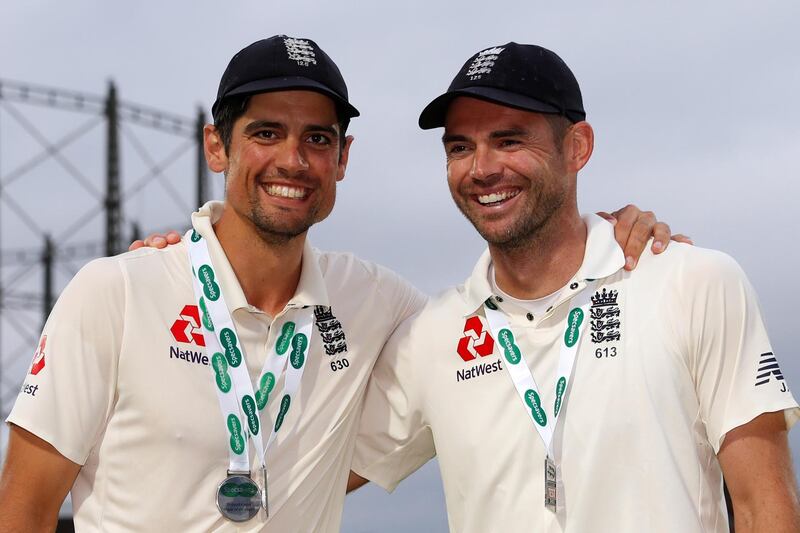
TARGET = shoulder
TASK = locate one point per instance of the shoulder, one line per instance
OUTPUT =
(442, 317)
(691, 265)
(345, 268)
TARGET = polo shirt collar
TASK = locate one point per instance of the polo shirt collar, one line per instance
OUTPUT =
(602, 258)
(311, 289)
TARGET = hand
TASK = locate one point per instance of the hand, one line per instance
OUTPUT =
(156, 240)
(634, 227)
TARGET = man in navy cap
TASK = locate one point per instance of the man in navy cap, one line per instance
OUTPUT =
(559, 391)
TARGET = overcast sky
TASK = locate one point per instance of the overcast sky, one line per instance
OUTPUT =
(693, 105)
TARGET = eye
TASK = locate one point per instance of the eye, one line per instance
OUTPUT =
(267, 135)
(455, 149)
(505, 143)
(319, 138)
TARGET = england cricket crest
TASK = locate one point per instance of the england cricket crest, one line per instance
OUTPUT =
(330, 330)
(605, 317)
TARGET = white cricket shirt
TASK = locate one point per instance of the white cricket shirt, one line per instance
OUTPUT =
(123, 387)
(675, 355)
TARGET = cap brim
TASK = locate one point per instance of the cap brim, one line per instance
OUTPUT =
(434, 114)
(292, 82)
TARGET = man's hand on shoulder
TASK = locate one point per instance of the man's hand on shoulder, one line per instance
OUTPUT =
(156, 240)
(634, 227)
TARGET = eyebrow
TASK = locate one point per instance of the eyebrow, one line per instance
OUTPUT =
(260, 124)
(453, 138)
(499, 134)
(511, 132)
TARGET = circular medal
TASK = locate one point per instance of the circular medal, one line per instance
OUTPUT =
(238, 498)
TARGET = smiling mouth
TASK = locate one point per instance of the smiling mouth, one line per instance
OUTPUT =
(497, 198)
(285, 191)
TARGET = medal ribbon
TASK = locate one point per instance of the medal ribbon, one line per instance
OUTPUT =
(520, 372)
(240, 406)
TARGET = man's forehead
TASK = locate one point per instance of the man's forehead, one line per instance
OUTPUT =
(477, 114)
(297, 105)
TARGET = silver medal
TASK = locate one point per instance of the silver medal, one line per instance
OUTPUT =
(550, 492)
(238, 498)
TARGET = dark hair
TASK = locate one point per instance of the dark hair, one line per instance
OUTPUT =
(233, 107)
(559, 125)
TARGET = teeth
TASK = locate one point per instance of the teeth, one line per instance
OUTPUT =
(286, 192)
(496, 197)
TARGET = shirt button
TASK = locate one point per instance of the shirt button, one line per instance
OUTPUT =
(498, 298)
(529, 316)
(573, 286)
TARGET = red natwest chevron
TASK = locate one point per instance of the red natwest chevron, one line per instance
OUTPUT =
(187, 328)
(38, 357)
(476, 341)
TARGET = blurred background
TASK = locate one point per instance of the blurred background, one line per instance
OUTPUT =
(693, 104)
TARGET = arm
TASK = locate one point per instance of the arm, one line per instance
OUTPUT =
(35, 481)
(355, 481)
(756, 463)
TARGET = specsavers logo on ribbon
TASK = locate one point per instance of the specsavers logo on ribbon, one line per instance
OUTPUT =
(282, 344)
(221, 375)
(510, 348)
(251, 413)
(228, 340)
(561, 386)
(299, 345)
(264, 388)
(237, 439)
(210, 287)
(535, 403)
(286, 401)
(574, 321)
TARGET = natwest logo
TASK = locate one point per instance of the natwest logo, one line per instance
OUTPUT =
(187, 327)
(476, 340)
(38, 357)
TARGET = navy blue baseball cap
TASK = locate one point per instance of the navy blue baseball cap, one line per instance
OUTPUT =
(523, 76)
(282, 63)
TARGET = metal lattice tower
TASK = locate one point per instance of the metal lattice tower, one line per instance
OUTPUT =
(39, 235)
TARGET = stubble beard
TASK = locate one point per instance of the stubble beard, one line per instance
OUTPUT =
(274, 230)
(527, 227)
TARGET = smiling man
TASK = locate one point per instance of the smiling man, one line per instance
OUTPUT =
(215, 385)
(155, 379)
(559, 391)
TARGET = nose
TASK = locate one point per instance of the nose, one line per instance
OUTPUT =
(485, 165)
(290, 159)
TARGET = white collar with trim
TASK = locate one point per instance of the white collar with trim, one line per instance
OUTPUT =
(602, 258)
(311, 289)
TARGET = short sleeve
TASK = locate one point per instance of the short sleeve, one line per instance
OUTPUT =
(69, 391)
(394, 438)
(737, 375)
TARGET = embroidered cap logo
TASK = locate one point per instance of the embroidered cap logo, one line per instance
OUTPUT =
(483, 63)
(300, 51)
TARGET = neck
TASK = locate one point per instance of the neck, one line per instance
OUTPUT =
(268, 272)
(544, 263)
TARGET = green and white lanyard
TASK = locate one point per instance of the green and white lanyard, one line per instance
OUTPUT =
(526, 386)
(240, 406)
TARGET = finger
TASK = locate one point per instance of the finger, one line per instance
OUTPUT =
(640, 233)
(680, 237)
(173, 237)
(607, 216)
(135, 245)
(155, 240)
(661, 234)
